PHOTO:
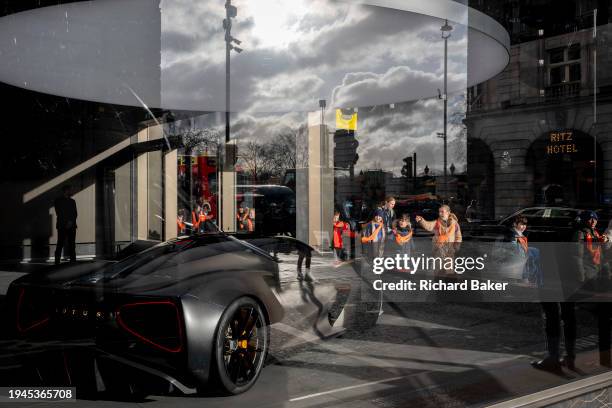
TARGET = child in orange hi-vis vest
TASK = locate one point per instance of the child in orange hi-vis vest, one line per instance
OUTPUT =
(181, 227)
(588, 256)
(373, 237)
(532, 268)
(200, 218)
(338, 245)
(251, 220)
(402, 236)
(242, 218)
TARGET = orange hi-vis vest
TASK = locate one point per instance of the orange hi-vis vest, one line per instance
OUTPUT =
(445, 233)
(180, 225)
(522, 240)
(199, 218)
(339, 228)
(243, 218)
(402, 239)
(595, 251)
(373, 236)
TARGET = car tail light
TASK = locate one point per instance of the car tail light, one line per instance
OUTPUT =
(157, 323)
(31, 312)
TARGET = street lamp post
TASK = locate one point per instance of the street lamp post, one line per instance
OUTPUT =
(230, 12)
(446, 33)
(228, 175)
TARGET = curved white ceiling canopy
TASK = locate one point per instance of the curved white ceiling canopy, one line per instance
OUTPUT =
(171, 54)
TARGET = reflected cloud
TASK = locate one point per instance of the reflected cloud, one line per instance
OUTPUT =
(172, 53)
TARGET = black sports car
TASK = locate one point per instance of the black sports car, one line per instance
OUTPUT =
(188, 311)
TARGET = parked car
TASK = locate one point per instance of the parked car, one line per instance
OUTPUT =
(275, 207)
(545, 224)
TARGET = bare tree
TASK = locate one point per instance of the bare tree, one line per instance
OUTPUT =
(257, 160)
(201, 140)
(282, 153)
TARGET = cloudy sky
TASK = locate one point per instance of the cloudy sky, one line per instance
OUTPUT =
(386, 135)
(297, 52)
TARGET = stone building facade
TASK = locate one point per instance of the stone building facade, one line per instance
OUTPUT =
(546, 120)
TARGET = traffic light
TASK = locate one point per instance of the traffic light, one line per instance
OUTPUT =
(407, 168)
(345, 148)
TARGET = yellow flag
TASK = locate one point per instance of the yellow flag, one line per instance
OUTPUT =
(346, 122)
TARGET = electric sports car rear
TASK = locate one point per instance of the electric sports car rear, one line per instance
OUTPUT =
(188, 311)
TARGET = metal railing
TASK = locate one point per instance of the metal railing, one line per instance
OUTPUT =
(565, 90)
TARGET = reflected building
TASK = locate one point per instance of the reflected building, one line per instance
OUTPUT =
(540, 131)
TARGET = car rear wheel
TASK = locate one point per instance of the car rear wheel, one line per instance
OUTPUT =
(242, 342)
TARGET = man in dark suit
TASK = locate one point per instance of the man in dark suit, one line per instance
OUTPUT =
(66, 212)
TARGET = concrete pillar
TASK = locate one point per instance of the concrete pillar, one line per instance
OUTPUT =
(315, 186)
(140, 192)
(227, 186)
(123, 204)
(170, 194)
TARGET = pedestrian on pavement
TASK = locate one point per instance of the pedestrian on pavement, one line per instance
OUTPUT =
(373, 236)
(402, 236)
(389, 215)
(593, 272)
(604, 309)
(242, 218)
(66, 213)
(446, 238)
(196, 217)
(202, 218)
(181, 226)
(556, 313)
(586, 262)
(339, 227)
(251, 220)
(471, 212)
(304, 253)
(532, 269)
(590, 249)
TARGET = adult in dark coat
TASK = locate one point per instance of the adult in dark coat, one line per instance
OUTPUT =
(66, 213)
(585, 265)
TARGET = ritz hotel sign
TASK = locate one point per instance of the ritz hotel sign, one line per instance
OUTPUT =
(560, 143)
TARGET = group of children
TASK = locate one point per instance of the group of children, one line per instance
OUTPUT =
(201, 220)
(379, 238)
(384, 234)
